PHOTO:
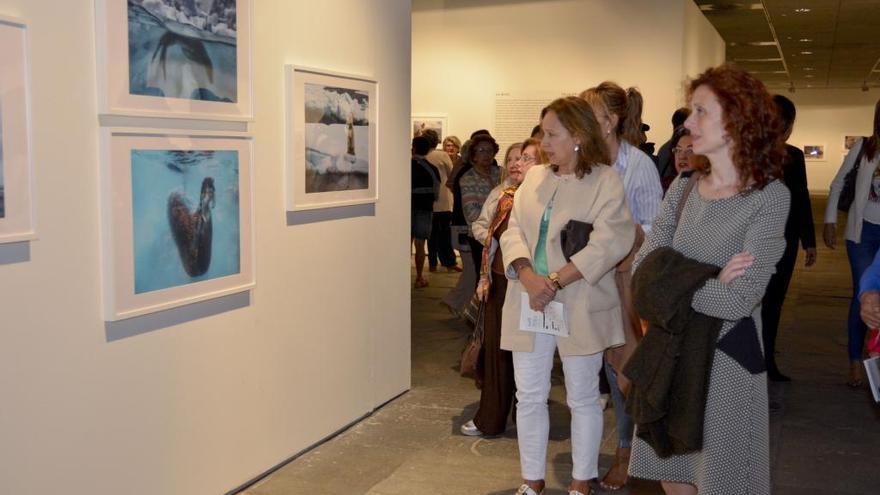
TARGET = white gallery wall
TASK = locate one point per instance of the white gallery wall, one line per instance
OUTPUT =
(467, 51)
(206, 402)
(824, 117)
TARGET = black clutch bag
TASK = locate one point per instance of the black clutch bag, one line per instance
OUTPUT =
(575, 236)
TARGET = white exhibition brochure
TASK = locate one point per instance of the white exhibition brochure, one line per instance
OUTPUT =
(551, 320)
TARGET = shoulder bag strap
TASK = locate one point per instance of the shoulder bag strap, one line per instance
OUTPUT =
(692, 181)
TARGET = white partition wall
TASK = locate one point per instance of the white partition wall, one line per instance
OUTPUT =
(824, 117)
(467, 53)
(202, 400)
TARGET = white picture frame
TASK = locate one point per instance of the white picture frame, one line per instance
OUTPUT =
(331, 157)
(436, 121)
(814, 152)
(16, 170)
(151, 182)
(184, 73)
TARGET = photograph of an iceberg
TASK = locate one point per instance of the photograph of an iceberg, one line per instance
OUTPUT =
(183, 49)
(337, 132)
(185, 208)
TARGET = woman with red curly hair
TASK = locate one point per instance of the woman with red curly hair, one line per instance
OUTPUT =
(732, 217)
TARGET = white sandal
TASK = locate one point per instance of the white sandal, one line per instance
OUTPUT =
(525, 489)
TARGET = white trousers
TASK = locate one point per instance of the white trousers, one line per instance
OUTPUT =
(532, 374)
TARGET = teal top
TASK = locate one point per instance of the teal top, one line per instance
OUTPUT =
(541, 249)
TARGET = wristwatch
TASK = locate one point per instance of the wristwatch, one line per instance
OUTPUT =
(554, 277)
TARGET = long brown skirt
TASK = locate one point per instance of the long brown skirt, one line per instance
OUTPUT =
(496, 397)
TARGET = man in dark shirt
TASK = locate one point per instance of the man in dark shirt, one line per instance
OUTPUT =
(798, 229)
(425, 189)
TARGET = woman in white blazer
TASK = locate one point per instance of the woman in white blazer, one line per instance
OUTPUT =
(862, 231)
(577, 185)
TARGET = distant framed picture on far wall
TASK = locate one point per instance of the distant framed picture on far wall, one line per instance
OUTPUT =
(172, 58)
(331, 139)
(437, 122)
(16, 175)
(177, 218)
(814, 152)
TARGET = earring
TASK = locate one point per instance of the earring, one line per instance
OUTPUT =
(577, 148)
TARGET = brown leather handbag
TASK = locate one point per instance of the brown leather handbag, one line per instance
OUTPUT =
(470, 355)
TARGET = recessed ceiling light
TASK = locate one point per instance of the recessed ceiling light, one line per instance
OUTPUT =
(752, 43)
(801, 11)
(809, 68)
(809, 75)
(806, 52)
(776, 59)
(805, 40)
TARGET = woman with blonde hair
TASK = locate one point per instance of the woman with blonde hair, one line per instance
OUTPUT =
(619, 113)
(496, 365)
(576, 190)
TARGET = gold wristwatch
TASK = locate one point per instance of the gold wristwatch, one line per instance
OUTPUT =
(554, 277)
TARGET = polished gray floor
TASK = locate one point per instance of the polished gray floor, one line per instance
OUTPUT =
(825, 437)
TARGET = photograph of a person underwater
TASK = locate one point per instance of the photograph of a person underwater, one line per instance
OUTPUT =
(183, 49)
(186, 217)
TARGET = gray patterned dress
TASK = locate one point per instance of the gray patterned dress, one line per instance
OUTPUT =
(735, 455)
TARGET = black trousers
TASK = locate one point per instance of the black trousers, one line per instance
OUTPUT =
(477, 255)
(440, 242)
(771, 304)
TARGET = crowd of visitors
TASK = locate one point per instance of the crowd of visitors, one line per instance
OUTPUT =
(663, 276)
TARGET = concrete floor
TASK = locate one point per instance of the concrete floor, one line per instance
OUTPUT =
(825, 437)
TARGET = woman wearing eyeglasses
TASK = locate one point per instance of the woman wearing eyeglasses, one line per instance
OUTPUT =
(682, 152)
(496, 396)
(476, 184)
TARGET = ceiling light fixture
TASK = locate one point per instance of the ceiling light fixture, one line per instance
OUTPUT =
(809, 68)
(805, 40)
(708, 7)
(801, 11)
(777, 59)
(806, 52)
(752, 43)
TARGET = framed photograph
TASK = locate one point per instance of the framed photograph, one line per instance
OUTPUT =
(849, 142)
(167, 58)
(177, 219)
(331, 139)
(814, 152)
(436, 122)
(16, 175)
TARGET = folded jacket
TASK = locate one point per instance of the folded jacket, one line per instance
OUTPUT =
(670, 369)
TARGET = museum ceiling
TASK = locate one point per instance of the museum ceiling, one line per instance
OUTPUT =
(802, 43)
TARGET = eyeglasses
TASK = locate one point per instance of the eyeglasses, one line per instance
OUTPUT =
(686, 151)
(527, 158)
(489, 151)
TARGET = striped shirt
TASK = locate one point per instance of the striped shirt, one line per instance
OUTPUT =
(641, 183)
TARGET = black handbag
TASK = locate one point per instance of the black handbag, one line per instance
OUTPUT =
(848, 191)
(575, 236)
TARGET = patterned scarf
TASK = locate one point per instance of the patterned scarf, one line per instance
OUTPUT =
(502, 213)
